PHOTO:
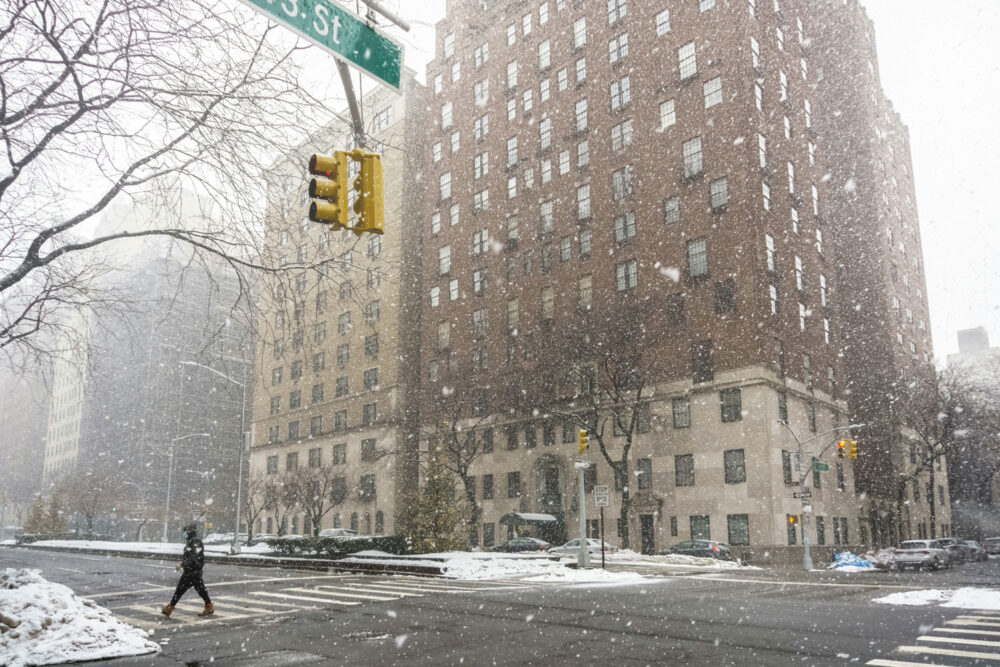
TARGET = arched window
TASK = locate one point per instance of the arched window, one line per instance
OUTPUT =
(354, 521)
(270, 526)
(295, 525)
(336, 520)
(379, 522)
(368, 523)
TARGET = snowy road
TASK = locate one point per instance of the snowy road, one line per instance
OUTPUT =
(270, 618)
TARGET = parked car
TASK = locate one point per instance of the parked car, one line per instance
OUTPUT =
(977, 551)
(519, 544)
(701, 548)
(573, 547)
(345, 533)
(992, 546)
(920, 554)
(956, 548)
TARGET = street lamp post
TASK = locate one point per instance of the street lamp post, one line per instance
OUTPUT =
(234, 548)
(807, 562)
(170, 475)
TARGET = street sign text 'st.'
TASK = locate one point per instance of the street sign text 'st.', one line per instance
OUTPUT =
(341, 32)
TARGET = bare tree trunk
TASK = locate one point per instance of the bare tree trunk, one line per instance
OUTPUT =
(931, 500)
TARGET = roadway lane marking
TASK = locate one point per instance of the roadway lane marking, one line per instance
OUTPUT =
(900, 663)
(970, 632)
(350, 603)
(370, 588)
(69, 570)
(930, 650)
(957, 640)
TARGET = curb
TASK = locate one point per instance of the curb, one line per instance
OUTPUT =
(311, 564)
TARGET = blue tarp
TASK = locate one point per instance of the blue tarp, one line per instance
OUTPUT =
(847, 559)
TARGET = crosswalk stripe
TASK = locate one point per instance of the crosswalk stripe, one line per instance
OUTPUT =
(145, 624)
(349, 603)
(994, 633)
(237, 599)
(931, 650)
(900, 663)
(372, 589)
(338, 593)
(965, 621)
(977, 617)
(957, 640)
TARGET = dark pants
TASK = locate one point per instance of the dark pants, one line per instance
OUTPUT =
(189, 579)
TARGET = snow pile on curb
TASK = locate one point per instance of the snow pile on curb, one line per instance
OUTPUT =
(530, 570)
(42, 623)
(963, 598)
(626, 556)
(845, 561)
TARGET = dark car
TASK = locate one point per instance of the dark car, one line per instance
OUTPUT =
(519, 544)
(977, 553)
(992, 546)
(703, 549)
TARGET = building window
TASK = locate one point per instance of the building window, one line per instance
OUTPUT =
(773, 294)
(697, 254)
(718, 191)
(275, 405)
(700, 527)
(621, 92)
(783, 407)
(340, 420)
(684, 470)
(316, 425)
(701, 361)
(583, 202)
(692, 157)
(712, 90)
(621, 136)
(738, 526)
(682, 412)
(841, 484)
(725, 296)
(618, 48)
(292, 460)
(672, 210)
(687, 61)
(786, 467)
(621, 182)
(444, 260)
(317, 393)
(586, 292)
(668, 116)
(732, 405)
(369, 414)
(514, 485)
(340, 453)
(734, 462)
(366, 488)
(272, 465)
(627, 275)
(644, 473)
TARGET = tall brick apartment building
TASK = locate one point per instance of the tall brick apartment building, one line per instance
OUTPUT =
(668, 163)
(883, 302)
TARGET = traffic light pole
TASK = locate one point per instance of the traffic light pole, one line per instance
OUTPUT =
(583, 558)
(807, 562)
(357, 124)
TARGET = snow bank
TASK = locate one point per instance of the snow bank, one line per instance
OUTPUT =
(530, 570)
(42, 623)
(165, 548)
(627, 557)
(963, 598)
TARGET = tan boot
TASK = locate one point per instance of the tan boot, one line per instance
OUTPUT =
(208, 610)
(166, 611)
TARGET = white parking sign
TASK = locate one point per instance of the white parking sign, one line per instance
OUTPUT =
(602, 496)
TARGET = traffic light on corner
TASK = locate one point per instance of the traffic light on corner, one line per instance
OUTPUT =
(333, 189)
(369, 203)
(842, 449)
(852, 451)
(582, 440)
(793, 519)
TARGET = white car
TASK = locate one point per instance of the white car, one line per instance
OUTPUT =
(573, 547)
(920, 554)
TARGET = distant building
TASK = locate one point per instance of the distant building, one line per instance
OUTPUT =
(337, 360)
(24, 404)
(974, 352)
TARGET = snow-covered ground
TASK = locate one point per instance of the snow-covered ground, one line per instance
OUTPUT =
(962, 598)
(626, 557)
(42, 623)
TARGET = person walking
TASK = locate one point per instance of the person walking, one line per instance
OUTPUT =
(192, 563)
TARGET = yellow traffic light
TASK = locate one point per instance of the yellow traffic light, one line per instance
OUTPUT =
(793, 519)
(582, 440)
(334, 190)
(841, 449)
(369, 204)
(853, 449)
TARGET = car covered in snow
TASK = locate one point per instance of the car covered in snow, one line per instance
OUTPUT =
(573, 547)
(702, 549)
(342, 533)
(920, 554)
(977, 553)
(519, 544)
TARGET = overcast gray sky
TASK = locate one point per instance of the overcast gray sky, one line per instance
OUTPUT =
(939, 64)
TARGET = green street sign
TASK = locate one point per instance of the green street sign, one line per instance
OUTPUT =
(819, 466)
(348, 37)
